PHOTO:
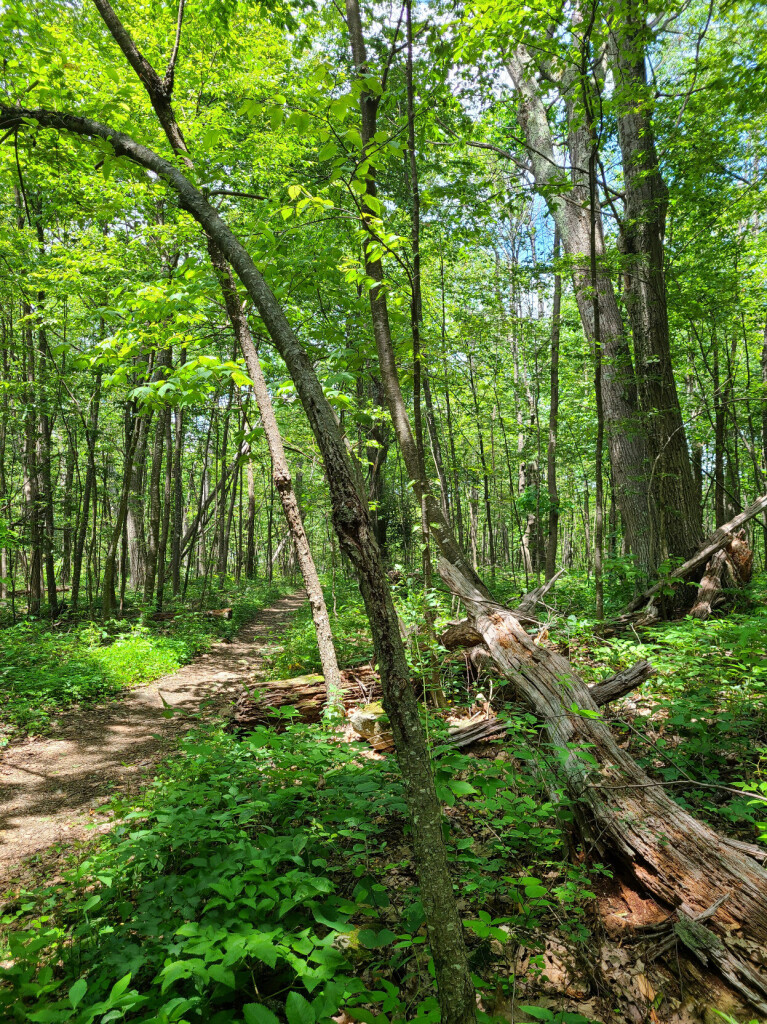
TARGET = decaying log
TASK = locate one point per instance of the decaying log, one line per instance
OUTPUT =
(485, 730)
(719, 539)
(720, 574)
(621, 683)
(622, 813)
(688, 929)
(728, 569)
(527, 604)
(460, 634)
(306, 694)
(218, 613)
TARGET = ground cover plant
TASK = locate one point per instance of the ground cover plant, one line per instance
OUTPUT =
(269, 879)
(458, 310)
(47, 667)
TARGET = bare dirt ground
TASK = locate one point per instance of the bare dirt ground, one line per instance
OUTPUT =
(52, 789)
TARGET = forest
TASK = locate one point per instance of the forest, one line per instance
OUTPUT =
(383, 511)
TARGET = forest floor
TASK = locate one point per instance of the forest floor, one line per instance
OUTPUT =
(53, 789)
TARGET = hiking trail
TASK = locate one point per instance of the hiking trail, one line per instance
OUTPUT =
(53, 788)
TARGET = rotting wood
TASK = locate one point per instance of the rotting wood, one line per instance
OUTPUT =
(306, 694)
(719, 539)
(688, 929)
(729, 569)
(621, 683)
(622, 813)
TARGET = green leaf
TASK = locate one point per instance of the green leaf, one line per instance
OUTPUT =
(462, 788)
(298, 1010)
(257, 1013)
(223, 975)
(330, 149)
(538, 1012)
(263, 948)
(77, 991)
(120, 986)
(374, 940)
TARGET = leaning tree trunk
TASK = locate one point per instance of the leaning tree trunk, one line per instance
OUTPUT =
(621, 811)
(281, 476)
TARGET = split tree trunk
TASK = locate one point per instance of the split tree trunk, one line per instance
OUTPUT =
(622, 813)
(720, 538)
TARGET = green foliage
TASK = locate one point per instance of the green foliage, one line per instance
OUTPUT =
(47, 668)
(256, 880)
(351, 633)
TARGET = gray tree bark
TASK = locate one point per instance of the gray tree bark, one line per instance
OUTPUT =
(642, 235)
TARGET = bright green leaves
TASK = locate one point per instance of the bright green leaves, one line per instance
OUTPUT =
(77, 991)
(298, 1010)
(257, 1013)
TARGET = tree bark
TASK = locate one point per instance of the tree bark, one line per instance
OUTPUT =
(630, 453)
(621, 812)
(551, 459)
(91, 431)
(719, 539)
(155, 506)
(642, 237)
(281, 475)
(166, 513)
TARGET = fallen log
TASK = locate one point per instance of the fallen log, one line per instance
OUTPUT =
(306, 694)
(622, 814)
(527, 604)
(621, 683)
(484, 731)
(460, 634)
(689, 929)
(719, 539)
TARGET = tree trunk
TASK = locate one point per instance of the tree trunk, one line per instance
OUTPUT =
(250, 529)
(622, 813)
(166, 512)
(551, 460)
(155, 506)
(281, 475)
(630, 452)
(642, 237)
(91, 431)
(135, 452)
(177, 528)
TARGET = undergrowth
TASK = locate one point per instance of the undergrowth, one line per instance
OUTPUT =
(47, 667)
(270, 880)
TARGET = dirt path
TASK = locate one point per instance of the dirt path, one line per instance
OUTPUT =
(52, 789)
